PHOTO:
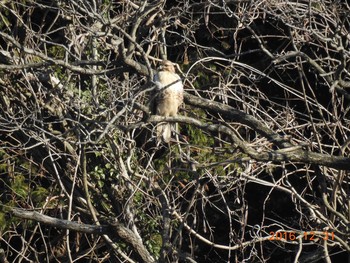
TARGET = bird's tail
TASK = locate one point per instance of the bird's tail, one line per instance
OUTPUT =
(164, 132)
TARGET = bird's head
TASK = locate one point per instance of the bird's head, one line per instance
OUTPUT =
(167, 65)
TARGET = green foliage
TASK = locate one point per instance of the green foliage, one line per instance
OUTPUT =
(39, 195)
(56, 52)
(99, 175)
(150, 227)
(4, 21)
(198, 137)
(154, 244)
(20, 186)
(318, 6)
(87, 101)
(3, 163)
(3, 222)
(206, 78)
(202, 80)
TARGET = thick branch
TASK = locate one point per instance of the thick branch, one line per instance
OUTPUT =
(238, 116)
(289, 154)
(59, 223)
(127, 235)
(124, 233)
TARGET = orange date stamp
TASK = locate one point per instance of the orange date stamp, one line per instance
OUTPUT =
(305, 235)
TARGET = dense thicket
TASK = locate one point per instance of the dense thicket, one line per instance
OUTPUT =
(258, 173)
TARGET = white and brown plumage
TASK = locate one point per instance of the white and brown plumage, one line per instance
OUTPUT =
(169, 98)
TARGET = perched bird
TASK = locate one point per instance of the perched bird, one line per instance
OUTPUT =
(169, 97)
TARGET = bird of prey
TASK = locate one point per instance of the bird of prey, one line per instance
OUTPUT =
(169, 97)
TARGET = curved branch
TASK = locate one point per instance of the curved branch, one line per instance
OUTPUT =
(238, 116)
(126, 234)
(288, 154)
